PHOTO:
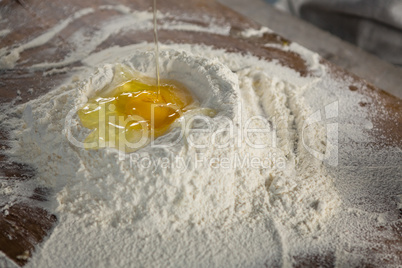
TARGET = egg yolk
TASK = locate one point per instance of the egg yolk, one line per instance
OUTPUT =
(134, 112)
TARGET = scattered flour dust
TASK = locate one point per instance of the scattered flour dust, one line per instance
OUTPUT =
(244, 188)
(220, 195)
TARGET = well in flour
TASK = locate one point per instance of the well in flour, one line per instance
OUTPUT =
(101, 187)
(164, 189)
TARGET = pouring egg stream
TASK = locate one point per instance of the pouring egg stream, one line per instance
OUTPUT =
(130, 111)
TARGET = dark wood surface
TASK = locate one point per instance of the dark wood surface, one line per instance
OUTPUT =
(28, 223)
(341, 53)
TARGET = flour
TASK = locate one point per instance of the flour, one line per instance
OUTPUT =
(4, 32)
(136, 192)
(257, 33)
(9, 57)
(217, 196)
(128, 21)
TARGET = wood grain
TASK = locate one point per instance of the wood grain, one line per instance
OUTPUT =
(28, 224)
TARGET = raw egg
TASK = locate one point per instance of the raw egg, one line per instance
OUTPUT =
(127, 116)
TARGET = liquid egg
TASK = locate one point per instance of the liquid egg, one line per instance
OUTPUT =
(129, 115)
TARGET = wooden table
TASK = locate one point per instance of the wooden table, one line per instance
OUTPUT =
(341, 53)
(27, 223)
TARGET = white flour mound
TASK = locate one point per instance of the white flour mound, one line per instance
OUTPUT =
(157, 192)
(217, 206)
